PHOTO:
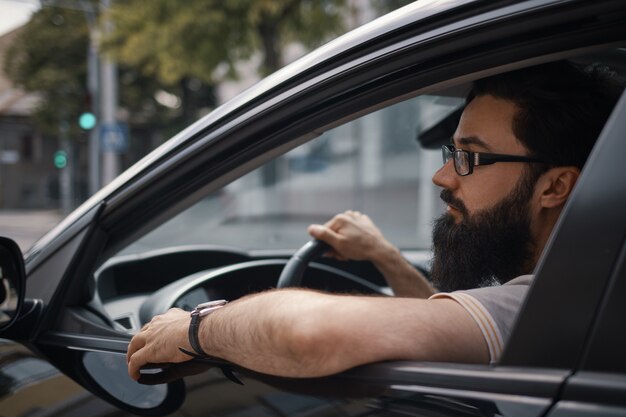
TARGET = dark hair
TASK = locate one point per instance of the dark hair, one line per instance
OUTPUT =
(561, 108)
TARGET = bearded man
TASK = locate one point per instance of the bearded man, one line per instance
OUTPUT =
(514, 159)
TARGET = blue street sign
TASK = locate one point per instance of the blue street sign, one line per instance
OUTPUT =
(114, 137)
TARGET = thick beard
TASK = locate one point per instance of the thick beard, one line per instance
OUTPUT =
(490, 247)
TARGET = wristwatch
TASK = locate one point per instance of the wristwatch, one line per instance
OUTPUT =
(201, 310)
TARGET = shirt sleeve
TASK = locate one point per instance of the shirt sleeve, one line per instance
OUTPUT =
(494, 310)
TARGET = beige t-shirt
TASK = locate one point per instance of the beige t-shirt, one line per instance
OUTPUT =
(494, 309)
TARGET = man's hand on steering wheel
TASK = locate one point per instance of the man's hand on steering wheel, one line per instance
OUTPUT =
(349, 235)
(352, 235)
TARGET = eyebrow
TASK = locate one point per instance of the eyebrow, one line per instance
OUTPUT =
(473, 140)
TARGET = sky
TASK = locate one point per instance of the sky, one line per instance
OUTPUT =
(14, 13)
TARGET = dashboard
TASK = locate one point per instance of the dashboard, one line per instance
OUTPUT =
(134, 288)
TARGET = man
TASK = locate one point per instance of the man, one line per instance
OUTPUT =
(517, 152)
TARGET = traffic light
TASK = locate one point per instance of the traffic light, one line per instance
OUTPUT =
(87, 120)
(60, 159)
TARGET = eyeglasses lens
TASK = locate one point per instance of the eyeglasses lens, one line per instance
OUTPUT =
(461, 162)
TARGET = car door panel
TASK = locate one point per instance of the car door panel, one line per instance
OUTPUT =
(408, 388)
(599, 387)
(580, 409)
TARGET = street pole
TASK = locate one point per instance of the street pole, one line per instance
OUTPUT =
(93, 76)
(65, 176)
(110, 160)
(92, 87)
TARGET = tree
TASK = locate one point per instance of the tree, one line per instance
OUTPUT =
(205, 39)
(273, 24)
(49, 57)
(179, 43)
(183, 48)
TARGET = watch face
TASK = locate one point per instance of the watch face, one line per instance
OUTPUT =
(209, 307)
(209, 310)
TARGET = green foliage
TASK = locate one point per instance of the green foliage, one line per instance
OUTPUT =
(164, 39)
(49, 57)
(204, 39)
(183, 47)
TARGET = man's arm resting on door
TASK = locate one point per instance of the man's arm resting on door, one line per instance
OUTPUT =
(301, 333)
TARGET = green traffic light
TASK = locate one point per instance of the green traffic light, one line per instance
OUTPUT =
(87, 121)
(60, 159)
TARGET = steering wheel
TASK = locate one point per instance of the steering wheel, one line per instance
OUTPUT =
(294, 270)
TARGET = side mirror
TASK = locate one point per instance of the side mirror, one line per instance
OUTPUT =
(12, 282)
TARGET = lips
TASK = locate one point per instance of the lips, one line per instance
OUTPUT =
(452, 202)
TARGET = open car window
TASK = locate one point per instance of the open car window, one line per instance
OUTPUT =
(373, 164)
(233, 241)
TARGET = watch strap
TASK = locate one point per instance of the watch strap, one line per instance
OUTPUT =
(194, 327)
(202, 310)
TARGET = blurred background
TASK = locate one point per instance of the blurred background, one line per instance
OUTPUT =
(88, 87)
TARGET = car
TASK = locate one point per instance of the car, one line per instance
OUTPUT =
(218, 210)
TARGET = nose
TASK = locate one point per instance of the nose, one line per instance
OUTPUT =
(446, 176)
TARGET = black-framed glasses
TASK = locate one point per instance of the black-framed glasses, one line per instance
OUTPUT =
(465, 161)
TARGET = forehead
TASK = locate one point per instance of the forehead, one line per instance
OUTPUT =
(487, 125)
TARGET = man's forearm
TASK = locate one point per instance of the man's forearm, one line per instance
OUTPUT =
(270, 332)
(299, 333)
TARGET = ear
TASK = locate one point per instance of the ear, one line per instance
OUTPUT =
(555, 186)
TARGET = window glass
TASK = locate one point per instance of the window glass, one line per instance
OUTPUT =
(373, 164)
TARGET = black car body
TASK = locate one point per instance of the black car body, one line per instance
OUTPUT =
(566, 353)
